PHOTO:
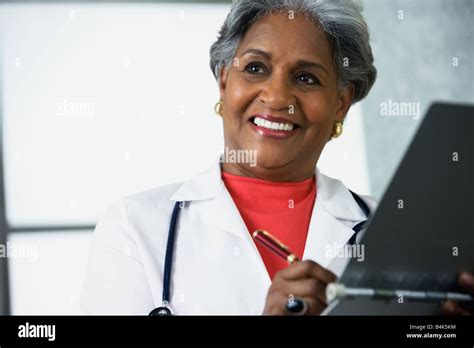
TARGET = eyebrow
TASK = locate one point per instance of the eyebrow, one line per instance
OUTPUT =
(300, 63)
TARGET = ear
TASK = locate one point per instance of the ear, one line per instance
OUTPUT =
(223, 73)
(344, 102)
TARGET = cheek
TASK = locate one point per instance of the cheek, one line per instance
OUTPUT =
(237, 100)
(238, 96)
(319, 112)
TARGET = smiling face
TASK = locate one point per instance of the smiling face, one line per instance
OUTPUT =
(283, 71)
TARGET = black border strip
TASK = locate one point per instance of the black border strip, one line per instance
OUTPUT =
(288, 331)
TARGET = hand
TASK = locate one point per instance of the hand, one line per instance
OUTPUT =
(466, 282)
(305, 279)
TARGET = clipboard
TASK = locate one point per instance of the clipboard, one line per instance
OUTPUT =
(422, 234)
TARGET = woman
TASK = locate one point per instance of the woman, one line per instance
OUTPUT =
(288, 72)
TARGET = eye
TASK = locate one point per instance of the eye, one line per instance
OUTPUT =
(255, 68)
(307, 78)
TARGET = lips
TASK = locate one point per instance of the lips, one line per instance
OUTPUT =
(273, 127)
(275, 119)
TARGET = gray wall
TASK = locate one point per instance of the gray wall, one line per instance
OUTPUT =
(414, 58)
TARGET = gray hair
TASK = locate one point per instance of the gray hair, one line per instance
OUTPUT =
(340, 20)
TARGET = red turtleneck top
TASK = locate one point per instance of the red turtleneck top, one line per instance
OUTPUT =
(281, 208)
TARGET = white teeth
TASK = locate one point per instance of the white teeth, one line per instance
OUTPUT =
(273, 125)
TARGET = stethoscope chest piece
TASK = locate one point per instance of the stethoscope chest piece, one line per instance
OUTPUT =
(160, 311)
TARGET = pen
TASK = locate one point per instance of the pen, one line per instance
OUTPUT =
(273, 244)
(295, 305)
(337, 290)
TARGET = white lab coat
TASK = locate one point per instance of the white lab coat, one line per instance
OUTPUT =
(217, 268)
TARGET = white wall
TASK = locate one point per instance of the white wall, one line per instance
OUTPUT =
(140, 74)
(48, 280)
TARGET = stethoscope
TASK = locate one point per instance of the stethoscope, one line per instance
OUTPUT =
(164, 310)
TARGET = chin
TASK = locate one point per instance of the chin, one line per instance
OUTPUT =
(273, 161)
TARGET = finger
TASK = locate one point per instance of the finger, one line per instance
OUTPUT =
(307, 269)
(453, 308)
(275, 304)
(466, 281)
(315, 307)
(308, 287)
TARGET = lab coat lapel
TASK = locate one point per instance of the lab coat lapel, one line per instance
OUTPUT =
(224, 215)
(334, 213)
(325, 233)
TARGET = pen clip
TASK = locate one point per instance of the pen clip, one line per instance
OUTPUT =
(269, 236)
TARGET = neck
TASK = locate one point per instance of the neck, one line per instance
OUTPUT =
(281, 174)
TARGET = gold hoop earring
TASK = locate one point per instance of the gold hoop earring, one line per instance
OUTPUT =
(337, 129)
(218, 107)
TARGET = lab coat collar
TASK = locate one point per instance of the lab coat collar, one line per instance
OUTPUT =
(201, 186)
(334, 211)
(331, 193)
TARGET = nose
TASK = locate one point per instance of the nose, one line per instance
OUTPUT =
(276, 93)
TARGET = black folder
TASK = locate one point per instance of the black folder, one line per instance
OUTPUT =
(422, 234)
